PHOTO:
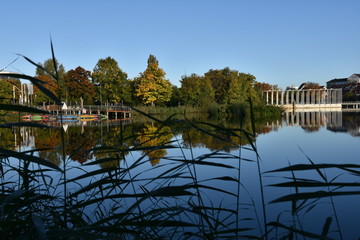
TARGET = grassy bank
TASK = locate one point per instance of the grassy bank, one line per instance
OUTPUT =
(243, 109)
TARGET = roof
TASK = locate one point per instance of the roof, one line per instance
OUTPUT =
(338, 80)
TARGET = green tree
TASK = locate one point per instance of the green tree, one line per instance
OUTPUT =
(7, 89)
(48, 65)
(176, 99)
(241, 88)
(111, 82)
(196, 90)
(78, 84)
(152, 87)
(232, 86)
(220, 80)
(349, 96)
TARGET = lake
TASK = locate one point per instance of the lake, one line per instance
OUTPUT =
(189, 178)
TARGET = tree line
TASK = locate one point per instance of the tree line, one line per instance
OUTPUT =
(109, 84)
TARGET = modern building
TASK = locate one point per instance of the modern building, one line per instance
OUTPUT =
(343, 82)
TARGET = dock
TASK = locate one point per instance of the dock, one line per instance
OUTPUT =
(112, 112)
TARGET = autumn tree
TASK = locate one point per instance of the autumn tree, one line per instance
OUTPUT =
(79, 86)
(51, 74)
(310, 85)
(112, 84)
(261, 86)
(152, 87)
(153, 139)
(50, 84)
(196, 90)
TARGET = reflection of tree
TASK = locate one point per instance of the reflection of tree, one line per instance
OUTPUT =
(152, 137)
(311, 129)
(48, 138)
(7, 139)
(79, 145)
(351, 122)
(227, 137)
(113, 144)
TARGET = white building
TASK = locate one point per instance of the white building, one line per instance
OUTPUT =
(355, 78)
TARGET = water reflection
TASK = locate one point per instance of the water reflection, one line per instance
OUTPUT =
(82, 138)
(313, 121)
(150, 137)
(296, 196)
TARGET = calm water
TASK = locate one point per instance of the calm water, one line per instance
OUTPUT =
(302, 138)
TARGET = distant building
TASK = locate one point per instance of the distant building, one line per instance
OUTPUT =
(336, 83)
(292, 88)
(355, 78)
(350, 86)
(343, 82)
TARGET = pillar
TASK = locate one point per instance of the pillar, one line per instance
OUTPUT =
(307, 96)
(297, 118)
(297, 97)
(302, 96)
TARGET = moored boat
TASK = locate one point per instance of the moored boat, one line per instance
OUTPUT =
(102, 116)
(26, 118)
(36, 118)
(90, 117)
(48, 118)
(67, 118)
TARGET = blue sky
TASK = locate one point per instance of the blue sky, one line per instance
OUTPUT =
(284, 42)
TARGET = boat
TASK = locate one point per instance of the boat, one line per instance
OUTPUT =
(36, 118)
(67, 118)
(26, 118)
(48, 118)
(102, 116)
(90, 117)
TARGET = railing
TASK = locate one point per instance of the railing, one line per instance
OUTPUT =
(350, 105)
(108, 108)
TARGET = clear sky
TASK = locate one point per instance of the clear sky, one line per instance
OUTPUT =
(284, 42)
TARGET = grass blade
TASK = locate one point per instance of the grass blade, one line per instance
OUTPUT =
(33, 159)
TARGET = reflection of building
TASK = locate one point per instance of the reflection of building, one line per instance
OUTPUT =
(313, 119)
(346, 122)
(310, 119)
(24, 138)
